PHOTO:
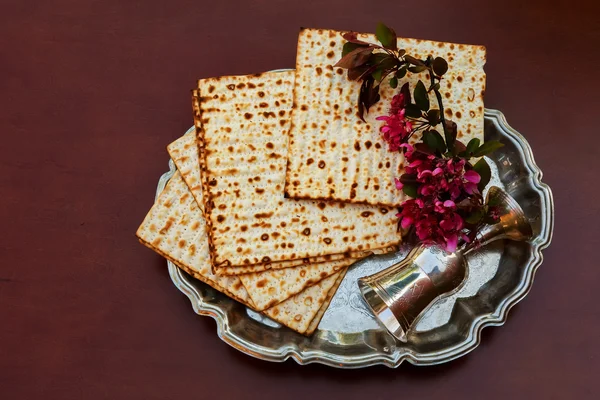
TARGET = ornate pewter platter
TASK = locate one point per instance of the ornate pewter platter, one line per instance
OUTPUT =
(348, 335)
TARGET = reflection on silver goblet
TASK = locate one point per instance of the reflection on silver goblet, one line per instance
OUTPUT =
(400, 294)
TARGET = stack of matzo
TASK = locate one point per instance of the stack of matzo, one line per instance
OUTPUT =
(265, 288)
(243, 125)
(249, 211)
(175, 228)
(290, 286)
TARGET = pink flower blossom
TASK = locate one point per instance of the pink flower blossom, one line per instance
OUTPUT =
(396, 128)
(472, 176)
(399, 185)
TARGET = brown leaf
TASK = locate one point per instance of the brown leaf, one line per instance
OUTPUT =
(355, 58)
(352, 37)
(367, 72)
(423, 148)
(405, 90)
(459, 147)
(355, 73)
(450, 130)
(368, 96)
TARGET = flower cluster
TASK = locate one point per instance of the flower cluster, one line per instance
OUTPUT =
(397, 128)
(446, 205)
(442, 185)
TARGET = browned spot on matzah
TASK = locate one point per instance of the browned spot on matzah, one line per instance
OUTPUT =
(261, 283)
(165, 228)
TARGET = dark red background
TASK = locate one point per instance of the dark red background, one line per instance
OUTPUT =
(91, 92)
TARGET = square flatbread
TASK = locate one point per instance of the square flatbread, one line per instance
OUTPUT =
(175, 229)
(242, 126)
(295, 311)
(333, 155)
(184, 153)
(267, 288)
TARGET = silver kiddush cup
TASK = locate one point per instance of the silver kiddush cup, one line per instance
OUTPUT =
(400, 294)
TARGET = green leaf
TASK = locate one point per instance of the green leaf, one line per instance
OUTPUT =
(435, 87)
(475, 216)
(348, 47)
(413, 111)
(376, 58)
(433, 116)
(483, 169)
(472, 146)
(387, 62)
(421, 97)
(417, 68)
(377, 74)
(386, 36)
(410, 190)
(440, 66)
(487, 148)
(434, 140)
(401, 73)
(394, 82)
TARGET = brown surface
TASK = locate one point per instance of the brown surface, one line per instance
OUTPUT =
(92, 92)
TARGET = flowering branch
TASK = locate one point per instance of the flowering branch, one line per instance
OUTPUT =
(445, 204)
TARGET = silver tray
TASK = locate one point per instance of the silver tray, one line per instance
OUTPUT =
(348, 335)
